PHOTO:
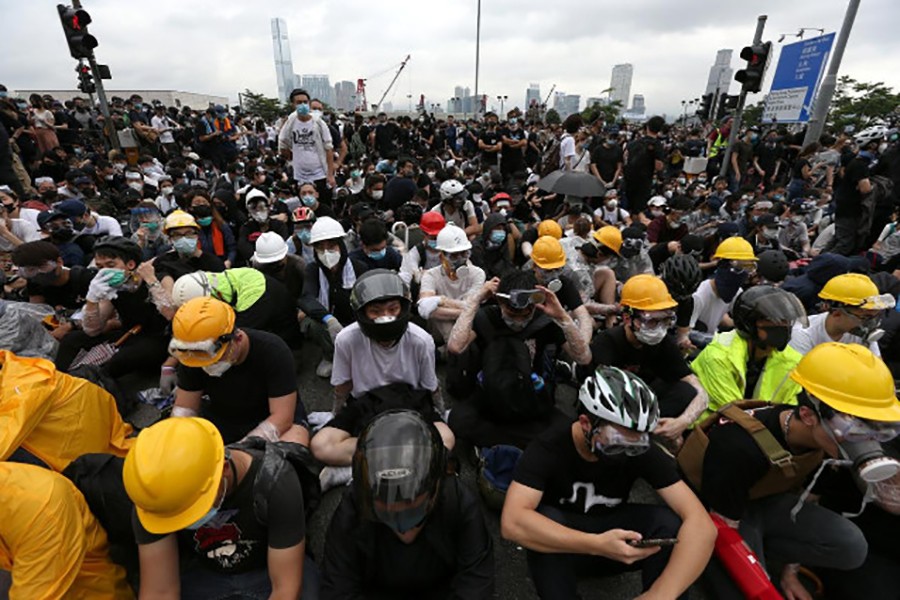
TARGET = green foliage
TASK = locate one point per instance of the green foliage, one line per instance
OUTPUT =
(268, 108)
(857, 103)
(552, 117)
(752, 114)
(607, 112)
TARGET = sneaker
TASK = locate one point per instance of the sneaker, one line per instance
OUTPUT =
(324, 368)
(331, 477)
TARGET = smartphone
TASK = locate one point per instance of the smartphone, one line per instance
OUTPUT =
(650, 542)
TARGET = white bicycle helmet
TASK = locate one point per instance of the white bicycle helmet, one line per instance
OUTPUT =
(621, 398)
(452, 189)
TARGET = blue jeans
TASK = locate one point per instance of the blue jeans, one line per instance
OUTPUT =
(200, 583)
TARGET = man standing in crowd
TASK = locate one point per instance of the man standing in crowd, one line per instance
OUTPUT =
(306, 140)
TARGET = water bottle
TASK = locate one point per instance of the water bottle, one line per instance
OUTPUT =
(537, 381)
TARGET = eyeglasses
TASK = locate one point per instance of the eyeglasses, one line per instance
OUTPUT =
(521, 299)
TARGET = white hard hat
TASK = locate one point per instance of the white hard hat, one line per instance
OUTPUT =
(190, 286)
(270, 248)
(657, 201)
(451, 188)
(255, 195)
(325, 228)
(453, 239)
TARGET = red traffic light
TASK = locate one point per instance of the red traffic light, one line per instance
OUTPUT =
(74, 21)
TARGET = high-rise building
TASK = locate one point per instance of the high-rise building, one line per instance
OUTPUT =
(720, 73)
(319, 87)
(532, 95)
(284, 66)
(620, 82)
(566, 104)
(637, 104)
(344, 95)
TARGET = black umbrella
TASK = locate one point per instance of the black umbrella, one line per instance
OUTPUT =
(571, 183)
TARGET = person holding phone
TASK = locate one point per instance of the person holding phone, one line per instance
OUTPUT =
(568, 502)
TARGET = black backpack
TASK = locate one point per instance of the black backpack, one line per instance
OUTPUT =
(550, 158)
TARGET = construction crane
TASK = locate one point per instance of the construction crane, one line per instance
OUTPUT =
(547, 99)
(375, 107)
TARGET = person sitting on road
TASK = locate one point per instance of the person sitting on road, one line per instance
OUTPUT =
(404, 509)
(568, 502)
(375, 252)
(186, 255)
(714, 296)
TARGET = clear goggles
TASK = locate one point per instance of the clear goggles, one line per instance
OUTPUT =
(847, 428)
(610, 441)
(655, 319)
(521, 299)
(203, 352)
(743, 266)
(29, 272)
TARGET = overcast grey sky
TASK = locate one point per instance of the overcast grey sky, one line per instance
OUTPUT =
(223, 46)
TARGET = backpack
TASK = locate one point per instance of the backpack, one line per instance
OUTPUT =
(550, 158)
(357, 147)
(638, 151)
(880, 199)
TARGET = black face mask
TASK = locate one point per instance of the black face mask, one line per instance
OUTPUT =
(201, 211)
(44, 279)
(62, 235)
(777, 337)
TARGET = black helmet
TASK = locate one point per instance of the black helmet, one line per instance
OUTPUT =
(772, 266)
(768, 303)
(410, 213)
(375, 286)
(398, 465)
(681, 274)
(120, 247)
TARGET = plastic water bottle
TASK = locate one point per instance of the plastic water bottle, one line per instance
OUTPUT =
(537, 381)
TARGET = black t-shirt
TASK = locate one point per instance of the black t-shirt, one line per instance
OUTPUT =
(174, 265)
(797, 169)
(490, 137)
(386, 135)
(847, 197)
(541, 335)
(552, 464)
(136, 308)
(607, 159)
(642, 157)
(234, 541)
(239, 399)
(767, 155)
(513, 156)
(71, 295)
(663, 361)
(568, 294)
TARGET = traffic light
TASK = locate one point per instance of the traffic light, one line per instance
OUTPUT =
(705, 107)
(85, 79)
(757, 57)
(74, 23)
(727, 104)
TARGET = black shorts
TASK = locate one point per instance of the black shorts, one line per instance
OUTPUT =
(357, 413)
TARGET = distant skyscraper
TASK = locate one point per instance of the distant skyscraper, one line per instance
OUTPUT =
(720, 73)
(566, 104)
(284, 67)
(319, 87)
(532, 95)
(344, 92)
(637, 104)
(620, 82)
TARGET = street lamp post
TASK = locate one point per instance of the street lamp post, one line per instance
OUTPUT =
(502, 100)
(477, 53)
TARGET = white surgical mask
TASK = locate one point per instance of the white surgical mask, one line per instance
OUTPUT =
(329, 258)
(166, 191)
(650, 337)
(136, 185)
(217, 369)
(377, 194)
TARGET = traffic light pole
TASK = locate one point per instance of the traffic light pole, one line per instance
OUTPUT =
(742, 98)
(101, 96)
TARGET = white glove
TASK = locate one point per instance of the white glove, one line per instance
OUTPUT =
(264, 430)
(99, 289)
(167, 380)
(181, 411)
(334, 327)
(428, 305)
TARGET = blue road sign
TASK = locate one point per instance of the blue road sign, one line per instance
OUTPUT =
(800, 69)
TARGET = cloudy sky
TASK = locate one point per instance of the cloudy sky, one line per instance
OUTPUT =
(223, 46)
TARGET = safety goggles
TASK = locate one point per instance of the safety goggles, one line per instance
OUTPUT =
(847, 428)
(739, 267)
(521, 299)
(653, 320)
(199, 354)
(29, 272)
(462, 255)
(611, 442)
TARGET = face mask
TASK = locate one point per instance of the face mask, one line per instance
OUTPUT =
(151, 226)
(329, 258)
(656, 212)
(612, 204)
(136, 185)
(166, 191)
(378, 254)
(260, 216)
(204, 221)
(62, 235)
(309, 201)
(109, 177)
(868, 330)
(728, 282)
(384, 319)
(185, 246)
(303, 109)
(675, 224)
(544, 275)
(432, 244)
(777, 337)
(430, 174)
(498, 236)
(316, 113)
(770, 234)
(515, 324)
(377, 194)
(217, 369)
(796, 220)
(303, 235)
(356, 174)
(650, 337)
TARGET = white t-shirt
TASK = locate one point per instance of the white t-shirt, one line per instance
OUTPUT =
(469, 281)
(160, 123)
(307, 161)
(104, 226)
(23, 230)
(369, 365)
(613, 217)
(804, 339)
(460, 218)
(567, 148)
(890, 241)
(30, 215)
(708, 307)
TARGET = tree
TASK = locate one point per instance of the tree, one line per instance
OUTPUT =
(607, 112)
(552, 117)
(267, 108)
(856, 103)
(752, 114)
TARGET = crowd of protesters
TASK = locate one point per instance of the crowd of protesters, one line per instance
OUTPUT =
(732, 338)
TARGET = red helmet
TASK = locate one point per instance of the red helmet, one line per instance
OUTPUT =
(303, 214)
(501, 196)
(432, 223)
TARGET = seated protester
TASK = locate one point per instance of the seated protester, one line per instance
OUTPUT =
(359, 213)
(494, 250)
(86, 222)
(573, 209)
(671, 225)
(273, 259)
(447, 287)
(186, 255)
(547, 227)
(772, 267)
(216, 236)
(516, 343)
(424, 255)
(682, 276)
(380, 362)
(793, 237)
(852, 314)
(753, 360)
(119, 300)
(147, 224)
(15, 210)
(309, 197)
(14, 232)
(49, 282)
(261, 302)
(329, 279)
(738, 478)
(372, 194)
(719, 194)
(52, 545)
(259, 223)
(194, 494)
(225, 204)
(634, 258)
(425, 520)
(57, 229)
(298, 244)
(407, 225)
(643, 345)
(819, 271)
(656, 207)
(765, 234)
(247, 374)
(884, 250)
(575, 238)
(610, 213)
(713, 297)
(375, 252)
(549, 260)
(456, 208)
(568, 504)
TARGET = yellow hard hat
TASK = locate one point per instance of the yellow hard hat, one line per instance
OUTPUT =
(173, 472)
(548, 253)
(647, 292)
(610, 237)
(179, 218)
(201, 331)
(551, 228)
(849, 379)
(857, 290)
(735, 248)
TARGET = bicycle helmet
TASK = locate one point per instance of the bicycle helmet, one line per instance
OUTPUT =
(119, 247)
(379, 285)
(621, 398)
(772, 266)
(452, 189)
(765, 303)
(682, 275)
